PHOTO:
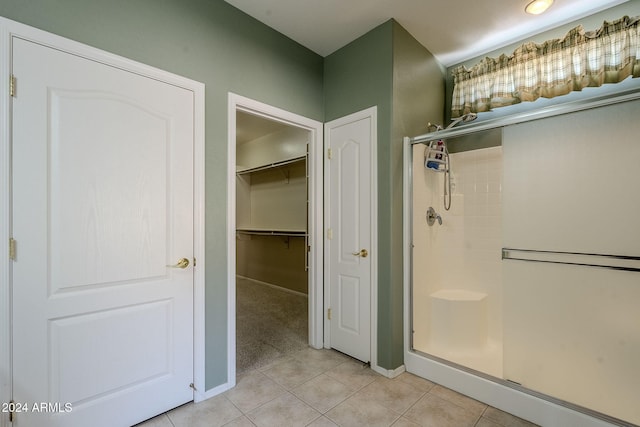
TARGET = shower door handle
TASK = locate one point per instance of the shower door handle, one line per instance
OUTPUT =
(363, 253)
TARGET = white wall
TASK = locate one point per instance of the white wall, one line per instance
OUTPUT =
(273, 199)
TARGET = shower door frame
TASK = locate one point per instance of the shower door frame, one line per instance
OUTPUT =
(497, 392)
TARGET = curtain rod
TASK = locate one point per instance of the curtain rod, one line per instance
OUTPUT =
(554, 110)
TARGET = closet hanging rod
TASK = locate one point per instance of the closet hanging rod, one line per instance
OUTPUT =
(254, 232)
(271, 165)
(507, 255)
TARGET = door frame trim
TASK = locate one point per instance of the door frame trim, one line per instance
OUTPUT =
(9, 29)
(5, 224)
(372, 113)
(316, 219)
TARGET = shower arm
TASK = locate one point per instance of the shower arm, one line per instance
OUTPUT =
(465, 118)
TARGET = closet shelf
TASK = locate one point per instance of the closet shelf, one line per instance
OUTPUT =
(271, 165)
(271, 232)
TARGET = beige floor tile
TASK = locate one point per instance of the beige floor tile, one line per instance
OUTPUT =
(360, 412)
(461, 400)
(486, 422)
(322, 422)
(277, 361)
(348, 393)
(505, 419)
(213, 412)
(395, 395)
(252, 390)
(292, 373)
(353, 373)
(324, 359)
(434, 411)
(415, 381)
(242, 421)
(159, 421)
(403, 422)
(323, 392)
(285, 411)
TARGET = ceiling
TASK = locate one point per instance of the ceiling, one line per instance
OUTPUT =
(453, 30)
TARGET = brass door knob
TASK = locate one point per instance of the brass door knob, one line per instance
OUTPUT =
(182, 263)
(363, 253)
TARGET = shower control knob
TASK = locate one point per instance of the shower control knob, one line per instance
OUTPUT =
(433, 216)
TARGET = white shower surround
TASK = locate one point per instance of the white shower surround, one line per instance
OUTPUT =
(461, 254)
(502, 394)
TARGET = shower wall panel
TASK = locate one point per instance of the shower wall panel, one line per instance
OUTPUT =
(462, 254)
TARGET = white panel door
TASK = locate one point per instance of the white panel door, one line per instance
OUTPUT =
(350, 142)
(102, 204)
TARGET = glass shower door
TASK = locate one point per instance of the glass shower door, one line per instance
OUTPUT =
(572, 258)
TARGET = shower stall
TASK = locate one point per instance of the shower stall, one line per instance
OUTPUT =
(525, 292)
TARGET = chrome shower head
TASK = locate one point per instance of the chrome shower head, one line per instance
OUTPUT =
(469, 117)
(465, 118)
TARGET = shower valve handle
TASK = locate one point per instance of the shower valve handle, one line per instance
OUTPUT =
(433, 216)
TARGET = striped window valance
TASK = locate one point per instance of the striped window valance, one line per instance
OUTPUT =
(556, 67)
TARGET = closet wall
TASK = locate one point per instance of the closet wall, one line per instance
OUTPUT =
(271, 197)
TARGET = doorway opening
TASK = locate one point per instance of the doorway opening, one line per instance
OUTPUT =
(275, 233)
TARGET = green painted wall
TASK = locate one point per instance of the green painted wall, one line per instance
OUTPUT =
(211, 42)
(389, 69)
(359, 76)
(214, 43)
(418, 91)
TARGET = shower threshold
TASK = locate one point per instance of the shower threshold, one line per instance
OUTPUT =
(487, 359)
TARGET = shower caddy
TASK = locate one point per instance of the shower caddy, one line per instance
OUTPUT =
(437, 159)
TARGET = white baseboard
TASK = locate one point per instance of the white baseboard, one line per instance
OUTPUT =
(271, 285)
(387, 372)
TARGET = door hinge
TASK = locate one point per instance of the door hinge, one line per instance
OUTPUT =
(329, 153)
(329, 313)
(329, 233)
(12, 249)
(12, 86)
(308, 248)
(12, 409)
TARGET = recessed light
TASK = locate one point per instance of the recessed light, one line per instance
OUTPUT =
(536, 7)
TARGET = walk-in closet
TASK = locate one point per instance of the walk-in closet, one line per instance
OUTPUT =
(271, 240)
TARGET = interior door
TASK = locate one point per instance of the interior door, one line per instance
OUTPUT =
(349, 207)
(102, 205)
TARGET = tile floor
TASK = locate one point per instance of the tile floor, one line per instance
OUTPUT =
(319, 388)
